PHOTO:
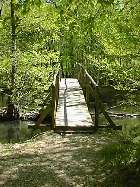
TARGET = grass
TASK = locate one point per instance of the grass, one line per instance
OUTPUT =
(50, 160)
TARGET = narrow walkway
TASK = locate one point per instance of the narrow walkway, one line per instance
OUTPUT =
(72, 112)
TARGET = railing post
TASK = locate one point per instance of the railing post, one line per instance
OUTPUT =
(55, 97)
(102, 108)
(96, 108)
(53, 105)
(77, 72)
(85, 86)
(54, 92)
(87, 91)
(57, 89)
(98, 102)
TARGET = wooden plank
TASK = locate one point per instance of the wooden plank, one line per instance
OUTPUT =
(72, 109)
(75, 128)
(75, 132)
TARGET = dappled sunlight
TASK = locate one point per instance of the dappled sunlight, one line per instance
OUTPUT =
(52, 160)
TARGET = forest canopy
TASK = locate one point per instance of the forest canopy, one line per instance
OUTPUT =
(103, 35)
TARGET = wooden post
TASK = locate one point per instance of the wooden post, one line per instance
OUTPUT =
(112, 124)
(54, 92)
(53, 105)
(80, 76)
(57, 89)
(79, 73)
(87, 90)
(84, 82)
(96, 109)
(98, 102)
(55, 97)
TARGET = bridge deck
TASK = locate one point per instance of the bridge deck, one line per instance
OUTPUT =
(72, 109)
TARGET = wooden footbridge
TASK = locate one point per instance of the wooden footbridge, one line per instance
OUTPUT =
(72, 112)
(69, 108)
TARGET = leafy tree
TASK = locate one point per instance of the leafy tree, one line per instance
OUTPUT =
(36, 51)
(100, 31)
(102, 35)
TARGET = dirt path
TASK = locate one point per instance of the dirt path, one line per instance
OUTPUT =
(50, 160)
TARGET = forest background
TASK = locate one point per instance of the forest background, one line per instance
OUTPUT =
(104, 36)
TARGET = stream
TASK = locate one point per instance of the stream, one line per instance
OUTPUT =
(14, 131)
(18, 131)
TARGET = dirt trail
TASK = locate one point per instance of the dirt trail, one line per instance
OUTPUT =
(50, 160)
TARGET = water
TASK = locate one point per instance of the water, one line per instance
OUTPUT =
(126, 123)
(15, 131)
(134, 109)
(18, 131)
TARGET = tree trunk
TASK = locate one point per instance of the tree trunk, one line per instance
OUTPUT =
(12, 112)
(1, 4)
(13, 46)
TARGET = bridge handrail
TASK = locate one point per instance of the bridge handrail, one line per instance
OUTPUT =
(55, 96)
(88, 75)
(98, 100)
(54, 92)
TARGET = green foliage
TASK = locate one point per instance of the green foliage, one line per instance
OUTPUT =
(124, 152)
(115, 155)
(37, 52)
(103, 35)
(133, 132)
(106, 2)
(4, 72)
(124, 76)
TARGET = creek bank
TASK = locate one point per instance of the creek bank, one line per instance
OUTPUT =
(123, 115)
(120, 115)
(33, 115)
(27, 116)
